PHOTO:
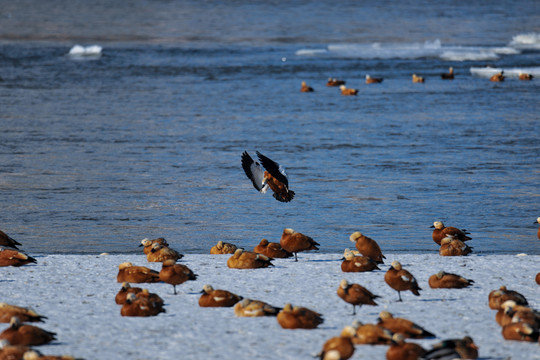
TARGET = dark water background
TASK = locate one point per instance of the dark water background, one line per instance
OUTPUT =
(99, 152)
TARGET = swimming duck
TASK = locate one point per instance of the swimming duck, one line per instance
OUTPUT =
(348, 91)
(417, 79)
(305, 87)
(371, 80)
(497, 77)
(334, 82)
(449, 75)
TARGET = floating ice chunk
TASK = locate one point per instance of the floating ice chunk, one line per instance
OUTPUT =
(526, 41)
(85, 51)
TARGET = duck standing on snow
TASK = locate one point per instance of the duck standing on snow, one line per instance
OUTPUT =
(175, 274)
(400, 279)
(356, 294)
(294, 242)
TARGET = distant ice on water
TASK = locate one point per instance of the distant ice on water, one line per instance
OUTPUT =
(411, 50)
(79, 51)
(487, 72)
(526, 41)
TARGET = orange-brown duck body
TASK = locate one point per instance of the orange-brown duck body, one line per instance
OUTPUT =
(442, 231)
(21, 334)
(217, 298)
(175, 274)
(11, 257)
(272, 250)
(367, 247)
(127, 272)
(403, 326)
(248, 260)
(356, 295)
(295, 242)
(448, 281)
(298, 318)
(400, 280)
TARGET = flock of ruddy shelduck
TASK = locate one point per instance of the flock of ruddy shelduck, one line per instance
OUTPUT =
(517, 320)
(499, 77)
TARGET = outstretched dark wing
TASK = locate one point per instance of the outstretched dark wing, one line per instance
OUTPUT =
(274, 169)
(6, 240)
(254, 172)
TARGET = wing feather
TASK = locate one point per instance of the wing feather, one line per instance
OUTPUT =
(274, 169)
(254, 172)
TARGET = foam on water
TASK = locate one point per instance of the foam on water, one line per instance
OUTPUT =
(413, 50)
(487, 72)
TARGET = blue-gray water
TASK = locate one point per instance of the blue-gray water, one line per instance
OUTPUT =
(145, 140)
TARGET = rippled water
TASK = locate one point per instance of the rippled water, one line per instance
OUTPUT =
(145, 140)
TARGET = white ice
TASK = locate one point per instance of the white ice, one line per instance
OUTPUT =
(487, 72)
(76, 293)
(79, 51)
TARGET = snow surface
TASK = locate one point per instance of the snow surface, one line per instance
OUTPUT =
(76, 293)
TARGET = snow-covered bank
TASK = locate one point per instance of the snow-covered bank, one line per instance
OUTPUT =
(77, 293)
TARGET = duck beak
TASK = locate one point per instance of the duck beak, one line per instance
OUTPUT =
(141, 245)
(432, 226)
